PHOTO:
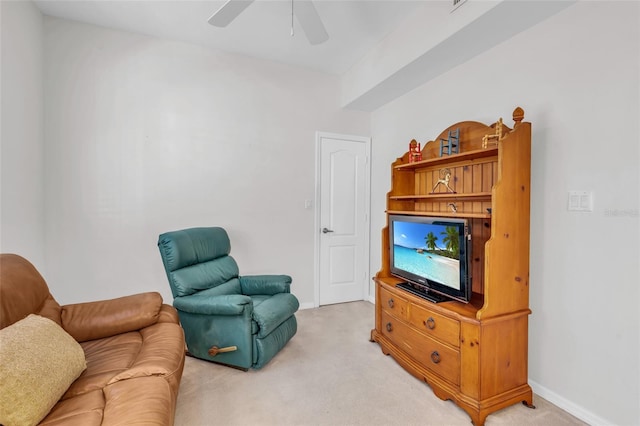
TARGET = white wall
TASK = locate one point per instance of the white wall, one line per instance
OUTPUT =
(145, 136)
(577, 77)
(21, 140)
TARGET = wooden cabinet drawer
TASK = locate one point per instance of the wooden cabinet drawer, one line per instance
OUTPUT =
(430, 353)
(436, 325)
(390, 302)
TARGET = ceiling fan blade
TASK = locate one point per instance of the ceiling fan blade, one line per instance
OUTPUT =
(310, 22)
(228, 12)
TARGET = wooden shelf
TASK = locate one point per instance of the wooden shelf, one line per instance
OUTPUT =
(442, 214)
(478, 196)
(448, 159)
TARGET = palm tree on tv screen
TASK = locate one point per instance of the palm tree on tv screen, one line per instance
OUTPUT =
(430, 240)
(451, 240)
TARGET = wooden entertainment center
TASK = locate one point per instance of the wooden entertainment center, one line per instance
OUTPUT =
(474, 354)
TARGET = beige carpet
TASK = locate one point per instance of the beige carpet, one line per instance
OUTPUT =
(330, 374)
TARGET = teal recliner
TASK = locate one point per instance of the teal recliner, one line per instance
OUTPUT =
(241, 321)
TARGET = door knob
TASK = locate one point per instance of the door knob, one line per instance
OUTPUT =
(325, 230)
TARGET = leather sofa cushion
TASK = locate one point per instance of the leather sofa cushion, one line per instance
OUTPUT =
(158, 355)
(83, 410)
(105, 359)
(151, 405)
(143, 400)
(150, 351)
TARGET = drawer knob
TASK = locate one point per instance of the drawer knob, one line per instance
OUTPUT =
(430, 323)
(390, 303)
(389, 327)
(435, 357)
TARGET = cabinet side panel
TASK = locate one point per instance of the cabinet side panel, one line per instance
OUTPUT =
(507, 252)
(503, 355)
(402, 181)
(480, 232)
(470, 360)
(386, 269)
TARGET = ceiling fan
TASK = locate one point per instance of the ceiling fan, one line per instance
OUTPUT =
(304, 10)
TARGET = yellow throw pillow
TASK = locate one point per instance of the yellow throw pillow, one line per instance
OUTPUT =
(38, 363)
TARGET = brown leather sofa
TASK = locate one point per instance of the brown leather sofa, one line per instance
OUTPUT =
(134, 350)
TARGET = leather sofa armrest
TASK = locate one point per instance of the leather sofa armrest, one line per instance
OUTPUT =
(105, 318)
(265, 284)
(168, 314)
(226, 304)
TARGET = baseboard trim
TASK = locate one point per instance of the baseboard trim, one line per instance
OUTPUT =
(309, 305)
(568, 406)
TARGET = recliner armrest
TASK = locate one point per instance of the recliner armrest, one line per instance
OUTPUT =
(265, 284)
(105, 318)
(225, 304)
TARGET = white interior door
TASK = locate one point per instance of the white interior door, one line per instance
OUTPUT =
(343, 231)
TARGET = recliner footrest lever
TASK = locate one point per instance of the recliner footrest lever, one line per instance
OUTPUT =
(216, 350)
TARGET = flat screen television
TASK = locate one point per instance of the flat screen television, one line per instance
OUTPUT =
(432, 255)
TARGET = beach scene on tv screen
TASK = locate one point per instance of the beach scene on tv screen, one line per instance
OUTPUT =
(428, 250)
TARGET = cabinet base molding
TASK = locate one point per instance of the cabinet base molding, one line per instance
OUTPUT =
(478, 410)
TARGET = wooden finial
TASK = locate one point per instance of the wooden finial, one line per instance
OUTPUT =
(518, 116)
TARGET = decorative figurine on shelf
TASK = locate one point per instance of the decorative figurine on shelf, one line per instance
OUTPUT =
(495, 137)
(451, 144)
(415, 154)
(445, 178)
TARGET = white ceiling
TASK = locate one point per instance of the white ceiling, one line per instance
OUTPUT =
(263, 30)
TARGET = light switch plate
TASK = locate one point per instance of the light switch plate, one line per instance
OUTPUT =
(580, 201)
